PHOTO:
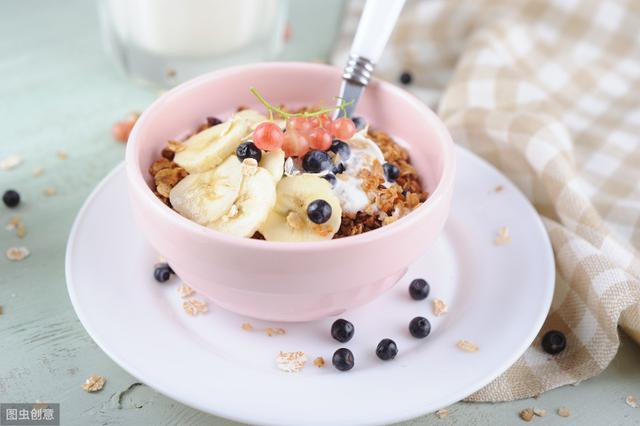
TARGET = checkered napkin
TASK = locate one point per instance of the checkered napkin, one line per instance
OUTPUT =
(549, 93)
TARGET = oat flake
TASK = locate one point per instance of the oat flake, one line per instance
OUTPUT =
(291, 362)
(194, 307)
(94, 383)
(185, 291)
(319, 362)
(247, 327)
(503, 237)
(439, 307)
(62, 155)
(17, 253)
(526, 414)
(540, 412)
(631, 401)
(49, 191)
(467, 346)
(274, 331)
(564, 412)
(10, 162)
(442, 413)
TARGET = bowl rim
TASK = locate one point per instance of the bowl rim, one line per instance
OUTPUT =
(138, 183)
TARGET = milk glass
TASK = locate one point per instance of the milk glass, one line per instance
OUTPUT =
(166, 42)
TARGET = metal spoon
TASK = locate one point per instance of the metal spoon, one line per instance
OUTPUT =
(375, 26)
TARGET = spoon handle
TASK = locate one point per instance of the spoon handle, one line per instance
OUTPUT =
(376, 24)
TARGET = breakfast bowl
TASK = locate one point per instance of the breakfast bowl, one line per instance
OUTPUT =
(289, 281)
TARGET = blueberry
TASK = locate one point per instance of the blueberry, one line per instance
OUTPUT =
(331, 179)
(162, 273)
(391, 171)
(343, 359)
(11, 198)
(319, 211)
(213, 121)
(554, 342)
(419, 327)
(359, 122)
(386, 349)
(419, 289)
(340, 148)
(248, 150)
(342, 330)
(406, 78)
(316, 161)
(338, 168)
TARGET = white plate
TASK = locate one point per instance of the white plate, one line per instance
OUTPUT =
(498, 297)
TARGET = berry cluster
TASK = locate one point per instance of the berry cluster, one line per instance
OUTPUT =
(304, 131)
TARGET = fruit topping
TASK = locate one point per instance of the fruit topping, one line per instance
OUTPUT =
(340, 148)
(248, 150)
(268, 136)
(316, 161)
(391, 171)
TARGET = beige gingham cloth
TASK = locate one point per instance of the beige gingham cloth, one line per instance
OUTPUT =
(549, 93)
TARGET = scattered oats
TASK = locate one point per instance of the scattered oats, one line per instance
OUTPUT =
(503, 236)
(526, 414)
(274, 331)
(38, 171)
(319, 362)
(564, 412)
(249, 166)
(10, 162)
(499, 188)
(540, 412)
(439, 307)
(17, 253)
(194, 307)
(468, 346)
(185, 291)
(631, 401)
(291, 362)
(442, 413)
(62, 155)
(247, 327)
(49, 191)
(94, 383)
(21, 231)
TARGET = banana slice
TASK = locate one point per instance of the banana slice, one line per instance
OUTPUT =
(256, 199)
(207, 149)
(273, 161)
(250, 116)
(288, 221)
(207, 196)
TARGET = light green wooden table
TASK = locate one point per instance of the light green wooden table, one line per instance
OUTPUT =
(58, 91)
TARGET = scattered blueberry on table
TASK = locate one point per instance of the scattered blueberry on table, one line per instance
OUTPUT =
(554, 342)
(248, 150)
(342, 330)
(11, 198)
(386, 349)
(316, 161)
(162, 272)
(419, 289)
(406, 78)
(419, 327)
(391, 171)
(340, 148)
(343, 359)
(319, 211)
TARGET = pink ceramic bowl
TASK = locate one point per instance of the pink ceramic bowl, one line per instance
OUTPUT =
(289, 281)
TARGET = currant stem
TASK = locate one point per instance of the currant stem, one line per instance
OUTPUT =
(342, 106)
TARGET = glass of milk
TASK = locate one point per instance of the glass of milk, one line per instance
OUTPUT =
(166, 42)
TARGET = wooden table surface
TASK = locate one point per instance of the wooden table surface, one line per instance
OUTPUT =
(59, 91)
